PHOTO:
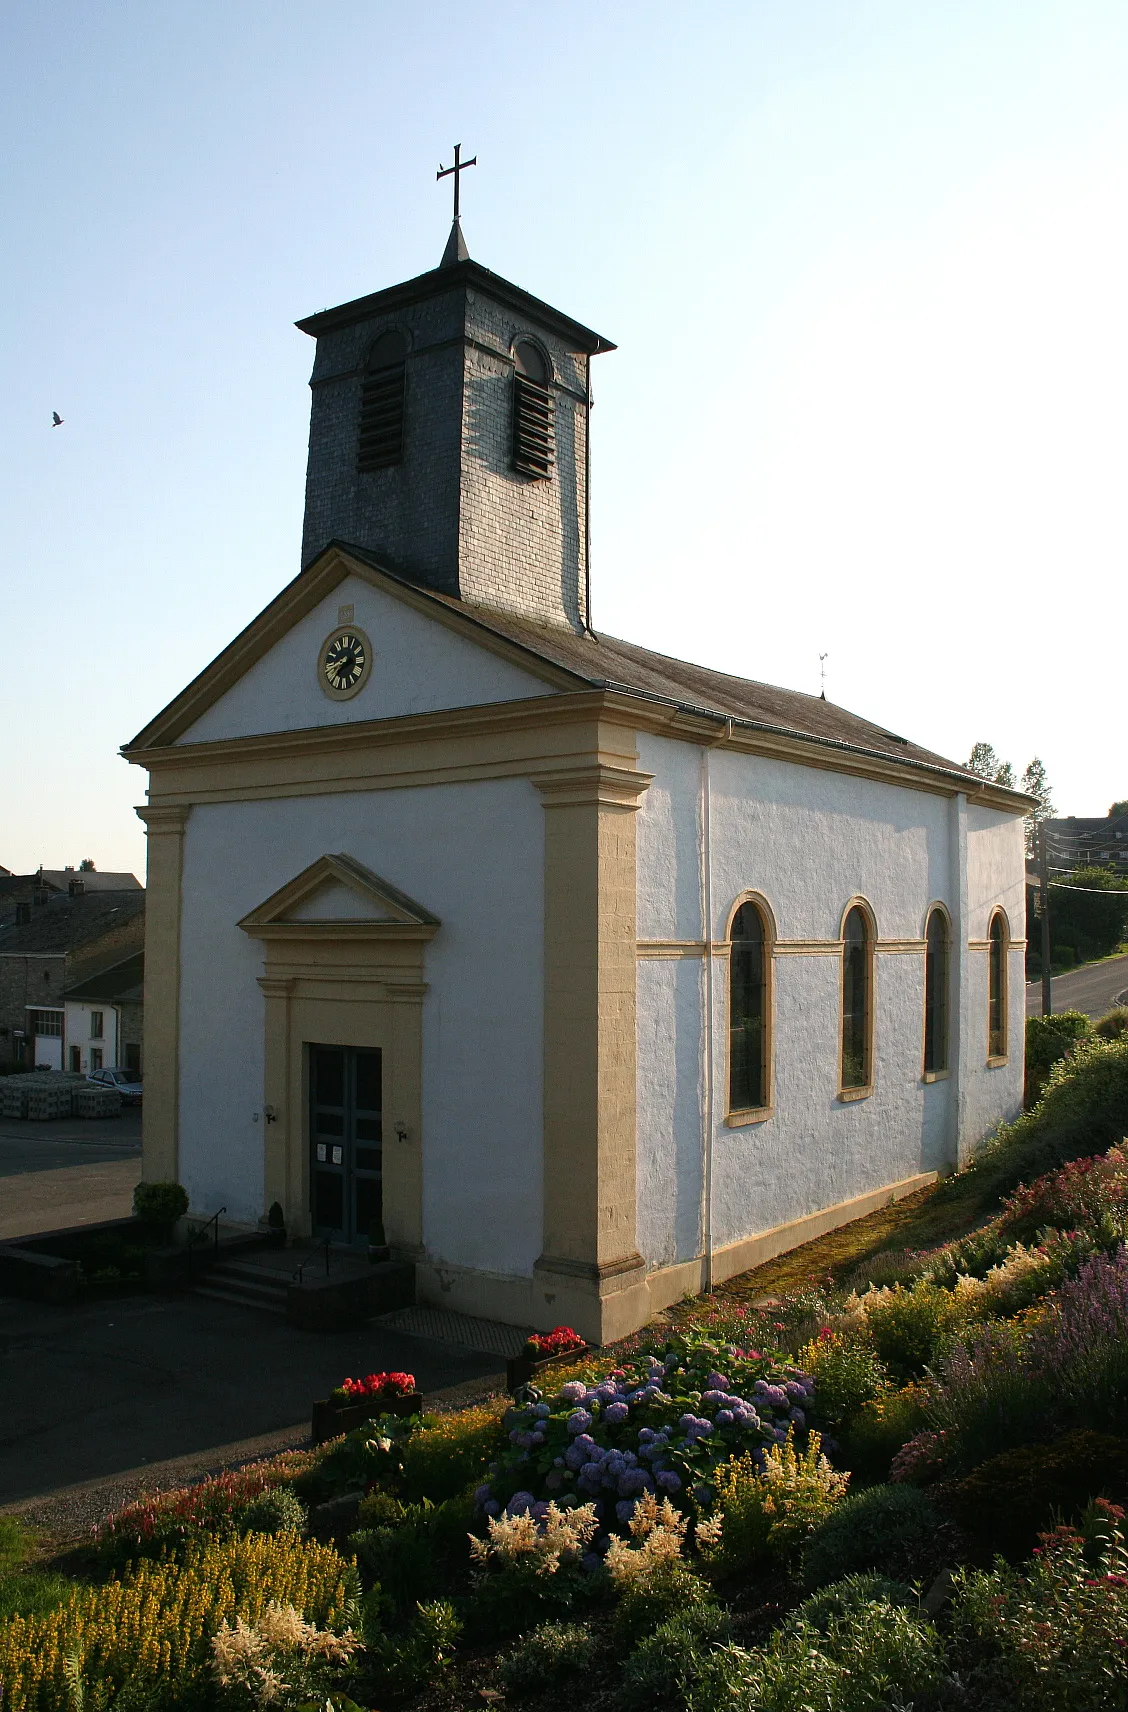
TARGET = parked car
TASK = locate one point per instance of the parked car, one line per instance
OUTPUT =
(127, 1083)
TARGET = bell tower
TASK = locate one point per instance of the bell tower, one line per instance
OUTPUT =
(449, 438)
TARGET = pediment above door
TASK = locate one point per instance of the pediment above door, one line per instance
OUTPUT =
(337, 897)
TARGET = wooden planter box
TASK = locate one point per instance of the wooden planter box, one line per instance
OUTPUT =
(331, 1419)
(526, 1369)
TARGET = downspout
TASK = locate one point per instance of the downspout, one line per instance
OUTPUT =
(587, 501)
(707, 1031)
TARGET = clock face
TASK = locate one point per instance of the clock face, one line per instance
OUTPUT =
(345, 662)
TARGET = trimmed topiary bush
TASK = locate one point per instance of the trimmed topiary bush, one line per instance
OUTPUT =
(160, 1204)
(887, 1530)
(663, 1667)
(276, 1511)
(843, 1599)
(1048, 1040)
(1113, 1025)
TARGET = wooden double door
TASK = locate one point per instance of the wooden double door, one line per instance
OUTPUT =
(346, 1141)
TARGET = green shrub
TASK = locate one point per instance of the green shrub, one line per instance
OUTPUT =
(15, 1545)
(32, 1594)
(1010, 1499)
(971, 1257)
(880, 1428)
(276, 1511)
(552, 1651)
(160, 1204)
(989, 1399)
(887, 1266)
(909, 1327)
(414, 1554)
(887, 1530)
(402, 1664)
(664, 1666)
(1083, 1110)
(649, 1572)
(1113, 1025)
(876, 1658)
(1050, 1635)
(844, 1599)
(527, 1570)
(1048, 1040)
(848, 1374)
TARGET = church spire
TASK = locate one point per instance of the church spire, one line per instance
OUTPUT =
(456, 250)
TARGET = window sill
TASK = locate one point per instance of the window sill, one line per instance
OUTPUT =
(846, 1095)
(935, 1075)
(745, 1120)
(997, 1063)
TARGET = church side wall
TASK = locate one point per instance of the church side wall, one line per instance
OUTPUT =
(474, 855)
(808, 841)
(996, 877)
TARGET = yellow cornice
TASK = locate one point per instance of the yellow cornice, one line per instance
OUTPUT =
(266, 758)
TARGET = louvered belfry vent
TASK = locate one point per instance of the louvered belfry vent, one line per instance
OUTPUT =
(382, 396)
(534, 413)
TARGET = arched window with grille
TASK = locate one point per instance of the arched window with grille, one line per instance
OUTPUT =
(749, 1035)
(998, 942)
(937, 967)
(857, 1003)
(534, 412)
(382, 397)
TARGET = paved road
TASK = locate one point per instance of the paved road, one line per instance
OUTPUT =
(1093, 990)
(66, 1172)
(90, 1390)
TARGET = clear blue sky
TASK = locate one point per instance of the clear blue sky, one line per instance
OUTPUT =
(865, 263)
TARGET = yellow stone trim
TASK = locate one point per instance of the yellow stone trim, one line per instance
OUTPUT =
(669, 948)
(164, 831)
(590, 1272)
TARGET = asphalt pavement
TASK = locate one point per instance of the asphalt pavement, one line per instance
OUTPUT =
(66, 1172)
(1094, 989)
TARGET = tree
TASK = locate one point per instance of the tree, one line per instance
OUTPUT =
(984, 761)
(1036, 785)
(1118, 808)
(1090, 923)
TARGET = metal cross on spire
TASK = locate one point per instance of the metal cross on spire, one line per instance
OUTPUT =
(458, 167)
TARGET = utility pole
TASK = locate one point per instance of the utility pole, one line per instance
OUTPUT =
(1044, 900)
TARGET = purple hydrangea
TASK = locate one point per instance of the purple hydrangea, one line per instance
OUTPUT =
(520, 1504)
(669, 1481)
(574, 1391)
(542, 1411)
(492, 1507)
(481, 1495)
(625, 1508)
(579, 1421)
(724, 1418)
(616, 1412)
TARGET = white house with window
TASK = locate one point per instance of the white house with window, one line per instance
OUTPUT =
(592, 975)
(91, 1035)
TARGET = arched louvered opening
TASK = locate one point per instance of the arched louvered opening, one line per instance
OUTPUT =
(534, 414)
(380, 440)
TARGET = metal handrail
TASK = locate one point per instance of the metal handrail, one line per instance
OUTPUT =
(296, 1275)
(200, 1235)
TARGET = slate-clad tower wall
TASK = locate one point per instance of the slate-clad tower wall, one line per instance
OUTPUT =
(453, 512)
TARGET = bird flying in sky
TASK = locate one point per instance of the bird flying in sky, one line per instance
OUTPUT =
(56, 419)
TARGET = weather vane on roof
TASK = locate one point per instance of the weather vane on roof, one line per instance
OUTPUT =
(458, 167)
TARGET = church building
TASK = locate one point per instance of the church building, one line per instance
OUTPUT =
(595, 977)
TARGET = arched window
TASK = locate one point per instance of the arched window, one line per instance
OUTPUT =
(534, 412)
(997, 942)
(937, 959)
(749, 1045)
(380, 440)
(857, 1001)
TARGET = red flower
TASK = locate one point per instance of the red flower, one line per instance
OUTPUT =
(556, 1342)
(380, 1385)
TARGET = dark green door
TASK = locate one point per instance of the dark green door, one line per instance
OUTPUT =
(345, 1141)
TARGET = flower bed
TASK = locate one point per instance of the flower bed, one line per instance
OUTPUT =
(542, 1351)
(662, 1424)
(355, 1401)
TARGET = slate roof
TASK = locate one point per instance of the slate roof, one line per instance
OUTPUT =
(65, 924)
(120, 984)
(605, 662)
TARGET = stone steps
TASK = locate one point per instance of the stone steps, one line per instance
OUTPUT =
(245, 1286)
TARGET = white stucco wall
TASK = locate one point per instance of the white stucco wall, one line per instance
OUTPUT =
(808, 840)
(418, 666)
(76, 1031)
(474, 855)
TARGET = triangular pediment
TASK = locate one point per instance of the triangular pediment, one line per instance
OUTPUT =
(338, 895)
(519, 669)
